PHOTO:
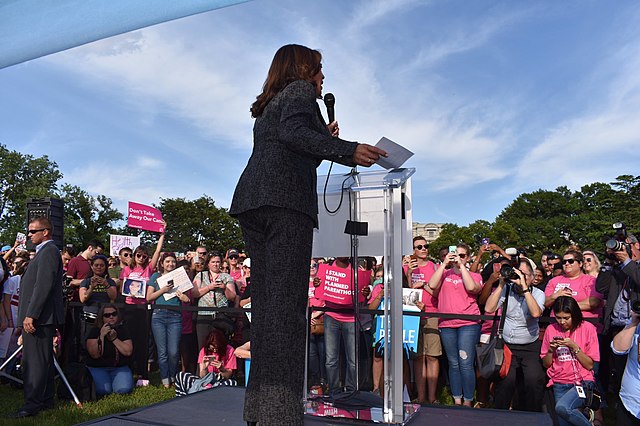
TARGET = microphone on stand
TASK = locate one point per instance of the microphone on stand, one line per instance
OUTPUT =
(330, 102)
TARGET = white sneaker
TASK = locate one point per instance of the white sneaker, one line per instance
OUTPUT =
(142, 383)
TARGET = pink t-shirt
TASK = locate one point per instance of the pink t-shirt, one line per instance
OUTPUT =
(488, 324)
(565, 368)
(236, 275)
(315, 294)
(453, 298)
(229, 360)
(424, 273)
(582, 287)
(337, 286)
(137, 273)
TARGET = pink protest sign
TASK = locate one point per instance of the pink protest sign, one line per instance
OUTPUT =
(337, 284)
(145, 217)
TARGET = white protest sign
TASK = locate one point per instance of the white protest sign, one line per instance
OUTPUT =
(118, 242)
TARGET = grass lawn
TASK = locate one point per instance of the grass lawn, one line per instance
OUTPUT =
(66, 413)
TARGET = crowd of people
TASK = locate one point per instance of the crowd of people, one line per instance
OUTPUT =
(589, 344)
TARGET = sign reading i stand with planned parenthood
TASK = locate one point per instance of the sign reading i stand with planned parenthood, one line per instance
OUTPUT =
(144, 217)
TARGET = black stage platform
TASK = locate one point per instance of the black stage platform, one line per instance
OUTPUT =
(223, 406)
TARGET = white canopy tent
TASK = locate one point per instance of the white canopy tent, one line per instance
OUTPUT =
(30, 29)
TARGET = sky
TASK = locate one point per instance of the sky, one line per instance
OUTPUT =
(495, 98)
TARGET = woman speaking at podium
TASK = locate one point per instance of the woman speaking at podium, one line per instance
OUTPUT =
(275, 202)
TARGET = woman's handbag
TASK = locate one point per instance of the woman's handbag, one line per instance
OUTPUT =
(317, 329)
(494, 356)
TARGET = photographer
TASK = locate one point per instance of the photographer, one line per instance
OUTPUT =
(626, 342)
(619, 282)
(520, 333)
(110, 349)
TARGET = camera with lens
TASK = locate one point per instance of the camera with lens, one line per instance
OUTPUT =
(635, 306)
(67, 288)
(508, 273)
(618, 242)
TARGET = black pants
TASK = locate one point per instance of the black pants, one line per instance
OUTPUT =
(38, 368)
(527, 358)
(137, 320)
(279, 241)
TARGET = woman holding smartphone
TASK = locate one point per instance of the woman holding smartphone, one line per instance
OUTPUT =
(569, 350)
(166, 324)
(213, 289)
(457, 289)
(217, 357)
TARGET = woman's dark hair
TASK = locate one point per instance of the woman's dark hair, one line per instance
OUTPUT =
(106, 263)
(290, 63)
(211, 256)
(100, 319)
(144, 250)
(568, 305)
(218, 341)
(577, 255)
(24, 262)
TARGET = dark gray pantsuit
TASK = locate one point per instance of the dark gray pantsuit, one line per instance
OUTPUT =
(279, 241)
(38, 381)
(277, 205)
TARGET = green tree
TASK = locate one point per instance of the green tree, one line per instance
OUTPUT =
(23, 176)
(87, 217)
(195, 222)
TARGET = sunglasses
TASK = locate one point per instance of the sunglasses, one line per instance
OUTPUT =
(246, 267)
(201, 253)
(421, 246)
(109, 315)
(569, 261)
(141, 256)
(35, 231)
(462, 255)
(314, 265)
(126, 254)
(234, 256)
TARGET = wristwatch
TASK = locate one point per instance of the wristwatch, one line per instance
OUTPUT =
(528, 290)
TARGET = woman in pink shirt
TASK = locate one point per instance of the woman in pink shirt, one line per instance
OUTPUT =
(456, 289)
(574, 283)
(217, 357)
(137, 318)
(569, 351)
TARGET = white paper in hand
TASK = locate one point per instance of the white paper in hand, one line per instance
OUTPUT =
(397, 155)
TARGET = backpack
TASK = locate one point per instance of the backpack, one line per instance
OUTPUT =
(81, 382)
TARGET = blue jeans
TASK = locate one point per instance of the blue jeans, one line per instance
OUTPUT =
(568, 404)
(334, 332)
(112, 379)
(166, 326)
(317, 368)
(460, 346)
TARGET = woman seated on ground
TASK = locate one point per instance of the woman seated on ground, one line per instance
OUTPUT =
(569, 350)
(216, 365)
(109, 346)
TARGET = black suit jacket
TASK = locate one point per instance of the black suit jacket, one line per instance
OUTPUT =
(290, 140)
(41, 288)
(611, 282)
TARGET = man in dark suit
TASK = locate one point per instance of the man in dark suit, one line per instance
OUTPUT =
(40, 310)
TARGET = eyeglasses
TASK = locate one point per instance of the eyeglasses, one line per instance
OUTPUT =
(421, 246)
(462, 255)
(141, 256)
(313, 265)
(569, 261)
(201, 253)
(109, 315)
(127, 254)
(112, 264)
(35, 231)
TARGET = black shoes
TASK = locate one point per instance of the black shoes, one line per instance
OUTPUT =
(20, 414)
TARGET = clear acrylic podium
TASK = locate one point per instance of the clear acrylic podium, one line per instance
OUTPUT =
(381, 198)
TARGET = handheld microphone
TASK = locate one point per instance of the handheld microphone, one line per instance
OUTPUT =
(330, 102)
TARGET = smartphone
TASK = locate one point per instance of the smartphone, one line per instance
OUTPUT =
(485, 241)
(452, 249)
(414, 257)
(558, 338)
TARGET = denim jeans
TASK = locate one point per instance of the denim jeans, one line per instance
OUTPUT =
(460, 347)
(167, 329)
(112, 379)
(568, 404)
(317, 368)
(334, 332)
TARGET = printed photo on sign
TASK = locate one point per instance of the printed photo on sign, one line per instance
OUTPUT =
(410, 296)
(134, 288)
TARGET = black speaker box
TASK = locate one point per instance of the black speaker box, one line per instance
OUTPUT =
(52, 209)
